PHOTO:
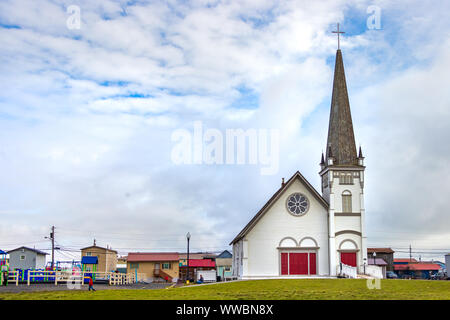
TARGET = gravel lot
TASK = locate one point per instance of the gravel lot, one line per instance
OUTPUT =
(61, 287)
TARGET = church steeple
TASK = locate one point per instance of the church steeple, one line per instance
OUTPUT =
(342, 175)
(341, 140)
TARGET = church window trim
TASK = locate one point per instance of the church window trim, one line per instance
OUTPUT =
(346, 178)
(348, 250)
(297, 204)
(308, 238)
(347, 201)
(287, 238)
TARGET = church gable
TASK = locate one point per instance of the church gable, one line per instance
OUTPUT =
(301, 192)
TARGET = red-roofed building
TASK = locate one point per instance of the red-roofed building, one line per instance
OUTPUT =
(416, 270)
(157, 266)
(195, 267)
(418, 267)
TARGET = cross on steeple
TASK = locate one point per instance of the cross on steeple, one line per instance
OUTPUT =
(338, 34)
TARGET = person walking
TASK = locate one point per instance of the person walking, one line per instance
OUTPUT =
(91, 284)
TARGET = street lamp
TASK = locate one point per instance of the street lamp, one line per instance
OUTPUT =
(374, 257)
(365, 262)
(188, 237)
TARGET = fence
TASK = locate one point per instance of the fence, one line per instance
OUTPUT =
(39, 276)
(374, 271)
(13, 276)
(347, 271)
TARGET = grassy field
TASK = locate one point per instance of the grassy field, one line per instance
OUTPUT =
(306, 289)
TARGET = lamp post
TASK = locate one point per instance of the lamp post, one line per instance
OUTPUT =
(365, 261)
(188, 237)
(374, 257)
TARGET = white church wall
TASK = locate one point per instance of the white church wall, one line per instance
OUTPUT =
(237, 259)
(347, 223)
(278, 224)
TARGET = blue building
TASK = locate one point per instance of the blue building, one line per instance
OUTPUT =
(223, 264)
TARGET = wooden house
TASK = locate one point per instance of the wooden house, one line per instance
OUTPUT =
(107, 258)
(156, 266)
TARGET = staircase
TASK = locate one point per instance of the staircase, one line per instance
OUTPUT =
(162, 275)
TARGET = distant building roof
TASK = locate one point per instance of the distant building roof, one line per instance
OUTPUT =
(378, 262)
(417, 266)
(201, 263)
(31, 249)
(405, 260)
(381, 250)
(198, 255)
(224, 255)
(152, 256)
(89, 260)
(107, 249)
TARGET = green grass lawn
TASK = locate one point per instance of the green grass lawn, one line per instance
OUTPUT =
(265, 289)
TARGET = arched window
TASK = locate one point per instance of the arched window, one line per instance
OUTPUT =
(345, 178)
(346, 201)
(288, 242)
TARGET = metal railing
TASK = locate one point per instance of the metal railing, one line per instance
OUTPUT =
(373, 271)
(347, 271)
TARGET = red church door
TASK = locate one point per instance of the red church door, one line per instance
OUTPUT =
(284, 263)
(312, 263)
(348, 258)
(298, 263)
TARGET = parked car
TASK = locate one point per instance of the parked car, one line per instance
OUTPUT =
(391, 275)
(439, 276)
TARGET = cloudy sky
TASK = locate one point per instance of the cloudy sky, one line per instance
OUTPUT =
(88, 116)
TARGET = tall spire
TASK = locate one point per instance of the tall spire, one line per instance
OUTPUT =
(341, 139)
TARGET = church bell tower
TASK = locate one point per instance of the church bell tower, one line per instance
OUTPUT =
(342, 180)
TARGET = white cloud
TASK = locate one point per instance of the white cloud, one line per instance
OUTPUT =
(87, 114)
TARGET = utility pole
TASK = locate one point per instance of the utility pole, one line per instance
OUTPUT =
(188, 237)
(410, 255)
(52, 237)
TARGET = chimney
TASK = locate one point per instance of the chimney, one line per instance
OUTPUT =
(282, 182)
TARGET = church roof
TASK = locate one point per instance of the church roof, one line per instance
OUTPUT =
(341, 140)
(275, 196)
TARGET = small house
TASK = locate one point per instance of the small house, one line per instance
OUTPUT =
(224, 262)
(107, 258)
(26, 258)
(156, 266)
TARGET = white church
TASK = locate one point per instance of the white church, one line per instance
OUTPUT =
(300, 232)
